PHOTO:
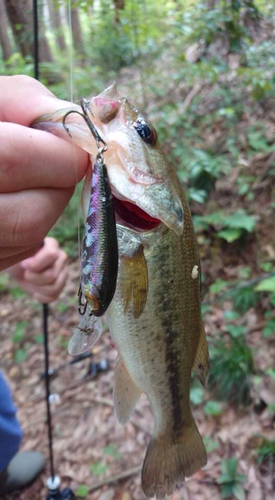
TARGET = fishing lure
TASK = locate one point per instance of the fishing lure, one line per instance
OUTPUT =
(99, 253)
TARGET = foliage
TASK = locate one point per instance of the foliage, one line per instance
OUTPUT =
(3, 282)
(243, 298)
(19, 333)
(269, 328)
(98, 468)
(266, 452)
(82, 491)
(230, 480)
(212, 408)
(230, 370)
(232, 227)
(210, 444)
(112, 451)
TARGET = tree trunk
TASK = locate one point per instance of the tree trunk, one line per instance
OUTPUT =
(77, 33)
(20, 17)
(119, 5)
(4, 36)
(56, 25)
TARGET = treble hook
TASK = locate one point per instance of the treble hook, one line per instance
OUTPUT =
(82, 306)
(98, 139)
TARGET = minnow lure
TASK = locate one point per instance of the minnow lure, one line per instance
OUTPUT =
(99, 253)
(99, 260)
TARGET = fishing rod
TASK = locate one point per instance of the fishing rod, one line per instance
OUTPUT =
(53, 482)
(93, 369)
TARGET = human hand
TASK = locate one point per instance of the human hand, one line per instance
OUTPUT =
(43, 275)
(38, 171)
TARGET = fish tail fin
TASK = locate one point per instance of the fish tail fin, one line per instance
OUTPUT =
(168, 462)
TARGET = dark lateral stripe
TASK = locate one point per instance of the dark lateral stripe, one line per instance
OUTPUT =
(172, 369)
(173, 363)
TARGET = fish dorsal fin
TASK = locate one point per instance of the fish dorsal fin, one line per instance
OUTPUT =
(135, 282)
(126, 393)
(201, 363)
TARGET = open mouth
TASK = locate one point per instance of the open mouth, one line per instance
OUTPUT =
(134, 216)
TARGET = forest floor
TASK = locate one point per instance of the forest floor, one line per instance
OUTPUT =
(94, 455)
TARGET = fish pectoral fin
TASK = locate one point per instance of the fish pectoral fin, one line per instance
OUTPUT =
(135, 282)
(201, 363)
(126, 393)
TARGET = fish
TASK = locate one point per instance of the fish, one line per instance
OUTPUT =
(154, 317)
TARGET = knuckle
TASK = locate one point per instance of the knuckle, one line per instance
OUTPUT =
(50, 277)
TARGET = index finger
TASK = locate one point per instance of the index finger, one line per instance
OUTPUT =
(34, 158)
(23, 99)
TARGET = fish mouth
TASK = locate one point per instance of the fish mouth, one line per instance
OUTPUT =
(132, 216)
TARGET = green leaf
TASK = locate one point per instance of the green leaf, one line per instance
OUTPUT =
(257, 141)
(269, 329)
(62, 307)
(20, 355)
(82, 491)
(238, 491)
(229, 467)
(230, 234)
(39, 339)
(266, 285)
(245, 272)
(198, 195)
(17, 292)
(231, 315)
(111, 450)
(210, 444)
(212, 408)
(19, 334)
(98, 468)
(218, 286)
(4, 278)
(196, 395)
(240, 219)
(235, 330)
(226, 490)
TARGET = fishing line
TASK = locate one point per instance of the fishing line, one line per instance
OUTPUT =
(71, 62)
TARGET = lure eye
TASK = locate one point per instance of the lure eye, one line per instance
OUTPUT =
(146, 131)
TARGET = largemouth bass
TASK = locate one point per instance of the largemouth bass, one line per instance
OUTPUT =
(154, 317)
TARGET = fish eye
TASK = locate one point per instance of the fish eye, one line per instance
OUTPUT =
(146, 131)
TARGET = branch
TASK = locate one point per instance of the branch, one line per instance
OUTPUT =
(114, 479)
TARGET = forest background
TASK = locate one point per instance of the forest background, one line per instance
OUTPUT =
(203, 71)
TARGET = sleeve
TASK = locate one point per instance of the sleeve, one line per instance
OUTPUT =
(10, 430)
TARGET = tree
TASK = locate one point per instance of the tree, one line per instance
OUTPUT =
(20, 17)
(119, 5)
(56, 25)
(77, 33)
(20, 21)
(4, 36)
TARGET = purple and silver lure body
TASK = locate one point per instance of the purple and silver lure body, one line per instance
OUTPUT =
(99, 259)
